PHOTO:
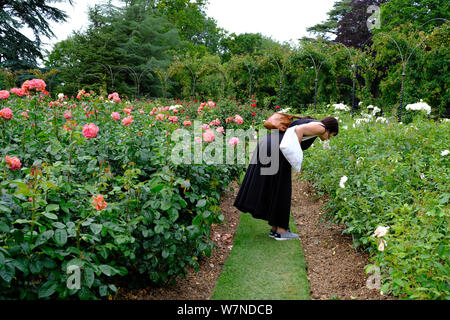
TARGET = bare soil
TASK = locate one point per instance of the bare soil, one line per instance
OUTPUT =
(335, 270)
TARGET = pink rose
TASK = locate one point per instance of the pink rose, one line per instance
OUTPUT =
(115, 116)
(6, 113)
(114, 96)
(215, 123)
(80, 94)
(127, 121)
(25, 115)
(4, 94)
(220, 129)
(127, 111)
(233, 141)
(238, 119)
(90, 130)
(68, 115)
(37, 84)
(13, 163)
(187, 123)
(208, 135)
(205, 126)
(19, 91)
(160, 116)
(173, 119)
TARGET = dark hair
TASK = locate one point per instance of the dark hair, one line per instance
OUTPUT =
(331, 124)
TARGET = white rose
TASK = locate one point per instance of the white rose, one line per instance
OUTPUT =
(382, 244)
(343, 181)
(381, 231)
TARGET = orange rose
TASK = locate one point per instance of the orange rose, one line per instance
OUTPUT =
(99, 202)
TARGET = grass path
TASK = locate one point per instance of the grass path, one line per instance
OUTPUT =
(261, 268)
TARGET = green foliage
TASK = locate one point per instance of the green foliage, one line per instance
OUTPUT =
(425, 57)
(397, 177)
(416, 12)
(17, 50)
(126, 44)
(330, 26)
(158, 213)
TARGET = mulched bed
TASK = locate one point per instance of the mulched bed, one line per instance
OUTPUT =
(334, 268)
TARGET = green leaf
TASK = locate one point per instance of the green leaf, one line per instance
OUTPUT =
(166, 205)
(5, 209)
(22, 221)
(89, 276)
(60, 237)
(103, 290)
(58, 225)
(50, 215)
(206, 214)
(35, 266)
(7, 272)
(52, 207)
(47, 289)
(96, 228)
(173, 214)
(21, 263)
(4, 227)
(108, 270)
(201, 203)
(165, 254)
(159, 229)
(183, 203)
(112, 287)
(157, 188)
(44, 237)
(76, 262)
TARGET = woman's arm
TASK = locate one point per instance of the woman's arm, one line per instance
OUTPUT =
(308, 129)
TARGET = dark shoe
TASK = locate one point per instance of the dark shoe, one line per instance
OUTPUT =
(272, 232)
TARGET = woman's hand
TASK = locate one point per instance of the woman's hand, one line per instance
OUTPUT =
(309, 129)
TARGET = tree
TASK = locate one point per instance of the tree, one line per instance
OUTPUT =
(118, 51)
(199, 30)
(396, 12)
(16, 50)
(352, 30)
(329, 27)
(245, 43)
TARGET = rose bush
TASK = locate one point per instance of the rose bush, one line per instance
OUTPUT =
(80, 189)
(396, 176)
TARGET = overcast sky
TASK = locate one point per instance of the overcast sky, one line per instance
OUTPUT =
(282, 20)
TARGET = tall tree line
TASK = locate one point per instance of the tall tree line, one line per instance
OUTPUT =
(172, 48)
